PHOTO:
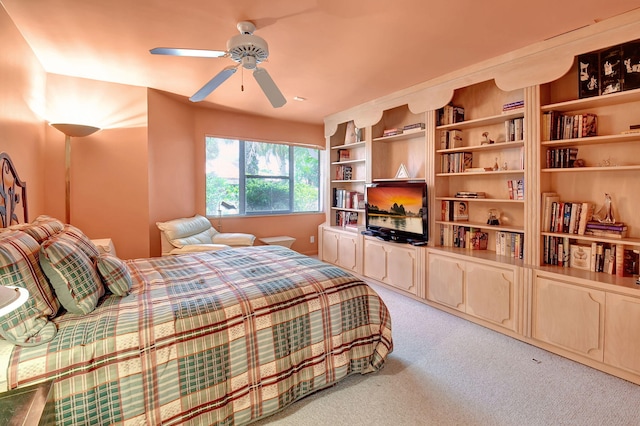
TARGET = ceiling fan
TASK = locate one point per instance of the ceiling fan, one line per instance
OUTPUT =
(247, 50)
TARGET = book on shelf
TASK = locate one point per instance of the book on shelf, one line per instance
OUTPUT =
(515, 188)
(606, 234)
(509, 244)
(479, 240)
(343, 155)
(414, 127)
(630, 262)
(391, 132)
(580, 257)
(344, 172)
(460, 210)
(510, 106)
(547, 199)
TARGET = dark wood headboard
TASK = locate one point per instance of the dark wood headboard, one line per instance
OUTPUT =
(13, 194)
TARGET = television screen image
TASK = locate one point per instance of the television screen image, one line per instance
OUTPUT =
(397, 211)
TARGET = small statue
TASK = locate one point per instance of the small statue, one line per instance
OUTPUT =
(486, 140)
(495, 165)
(605, 213)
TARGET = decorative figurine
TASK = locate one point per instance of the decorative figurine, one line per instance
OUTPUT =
(486, 140)
(605, 213)
(495, 165)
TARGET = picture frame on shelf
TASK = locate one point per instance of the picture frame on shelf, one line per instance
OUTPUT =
(610, 67)
(589, 75)
(631, 65)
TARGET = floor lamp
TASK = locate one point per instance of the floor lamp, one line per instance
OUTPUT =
(76, 131)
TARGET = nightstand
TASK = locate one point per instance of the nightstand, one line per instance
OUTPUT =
(105, 245)
(32, 405)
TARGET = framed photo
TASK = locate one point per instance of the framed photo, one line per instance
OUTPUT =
(589, 75)
(611, 70)
(631, 65)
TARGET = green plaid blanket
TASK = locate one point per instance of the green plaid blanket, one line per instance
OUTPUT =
(224, 338)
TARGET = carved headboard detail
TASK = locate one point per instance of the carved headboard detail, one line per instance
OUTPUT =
(13, 205)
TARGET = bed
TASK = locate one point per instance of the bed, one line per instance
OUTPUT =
(224, 337)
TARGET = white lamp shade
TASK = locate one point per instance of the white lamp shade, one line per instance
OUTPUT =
(11, 298)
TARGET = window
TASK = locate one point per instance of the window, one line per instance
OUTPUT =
(246, 177)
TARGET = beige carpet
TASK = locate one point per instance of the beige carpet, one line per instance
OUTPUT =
(448, 371)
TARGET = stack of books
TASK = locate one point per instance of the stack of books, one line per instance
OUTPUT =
(606, 230)
(415, 127)
(470, 194)
(391, 132)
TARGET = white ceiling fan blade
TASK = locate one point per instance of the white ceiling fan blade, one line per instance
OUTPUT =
(216, 81)
(269, 87)
(198, 53)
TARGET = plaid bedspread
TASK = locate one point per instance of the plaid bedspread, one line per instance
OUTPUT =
(210, 338)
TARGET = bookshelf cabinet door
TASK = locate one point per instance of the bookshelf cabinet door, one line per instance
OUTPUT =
(568, 316)
(446, 281)
(622, 319)
(375, 260)
(491, 294)
(402, 264)
(330, 246)
(348, 252)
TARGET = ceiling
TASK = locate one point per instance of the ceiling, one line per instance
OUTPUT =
(335, 53)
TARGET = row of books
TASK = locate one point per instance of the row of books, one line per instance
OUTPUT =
(557, 126)
(346, 219)
(450, 114)
(516, 189)
(344, 199)
(454, 210)
(561, 158)
(510, 244)
(612, 259)
(565, 217)
(463, 237)
(450, 139)
(344, 172)
(514, 130)
(456, 162)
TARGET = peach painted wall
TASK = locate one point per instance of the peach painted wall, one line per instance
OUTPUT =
(234, 125)
(109, 169)
(171, 163)
(22, 91)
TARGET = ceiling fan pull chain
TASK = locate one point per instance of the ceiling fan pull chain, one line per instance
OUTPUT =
(242, 79)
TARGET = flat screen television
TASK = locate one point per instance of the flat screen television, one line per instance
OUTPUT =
(397, 211)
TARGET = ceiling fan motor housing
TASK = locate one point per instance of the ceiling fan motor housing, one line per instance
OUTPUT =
(243, 45)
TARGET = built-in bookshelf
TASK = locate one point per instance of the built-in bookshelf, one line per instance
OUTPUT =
(481, 151)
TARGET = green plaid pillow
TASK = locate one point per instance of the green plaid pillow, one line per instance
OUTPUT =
(41, 228)
(19, 267)
(28, 325)
(76, 237)
(72, 275)
(114, 273)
